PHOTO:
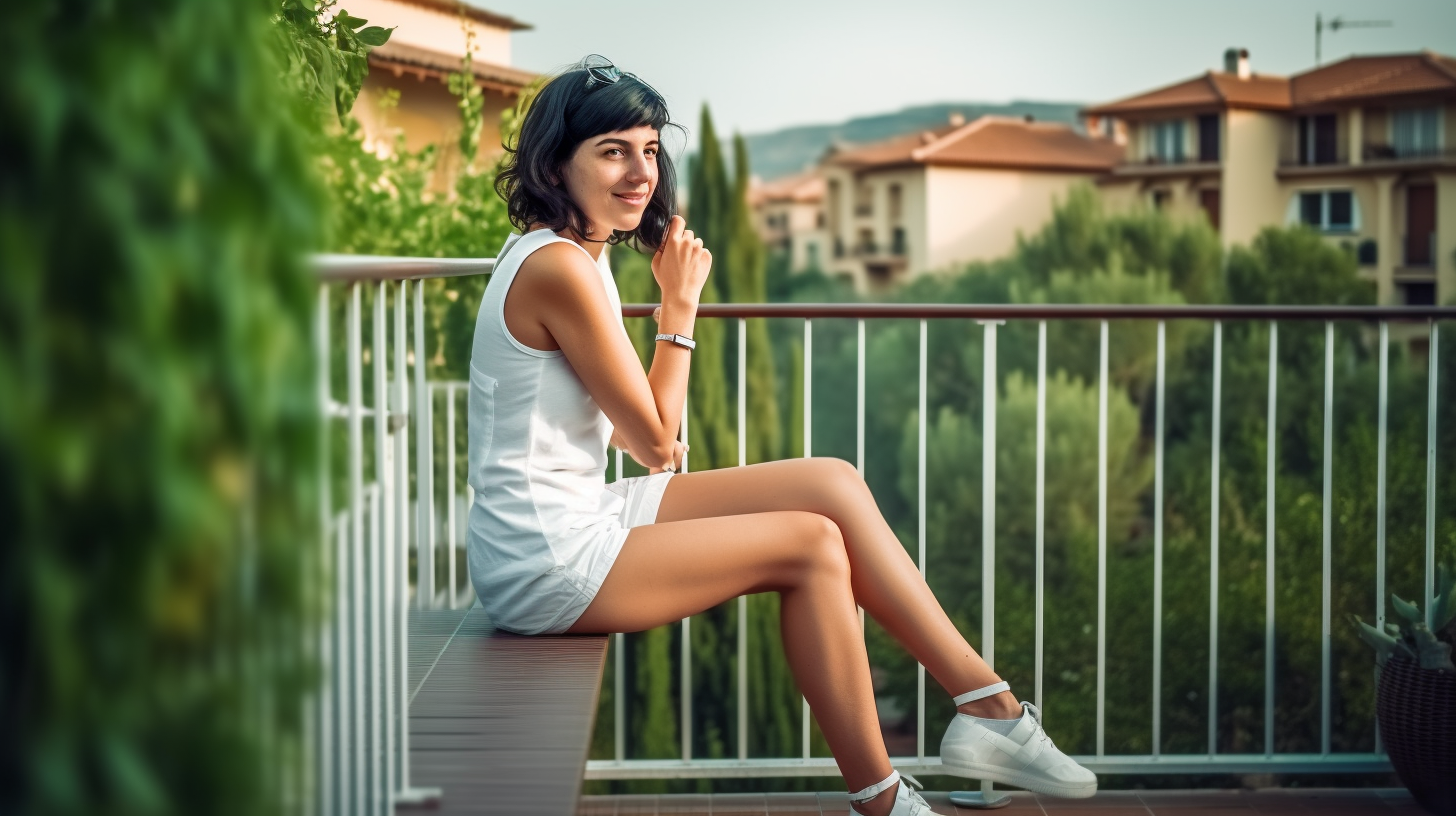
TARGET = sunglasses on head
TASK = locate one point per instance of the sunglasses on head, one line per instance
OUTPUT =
(601, 72)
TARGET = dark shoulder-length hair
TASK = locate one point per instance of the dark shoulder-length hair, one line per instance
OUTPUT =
(565, 113)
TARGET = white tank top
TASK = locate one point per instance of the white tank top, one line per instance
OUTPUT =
(537, 460)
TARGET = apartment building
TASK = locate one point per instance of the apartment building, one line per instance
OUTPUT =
(790, 217)
(1356, 149)
(429, 41)
(958, 193)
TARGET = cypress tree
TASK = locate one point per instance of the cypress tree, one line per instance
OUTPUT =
(746, 278)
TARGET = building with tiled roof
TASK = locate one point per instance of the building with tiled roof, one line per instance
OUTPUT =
(1358, 149)
(944, 197)
(407, 93)
(789, 217)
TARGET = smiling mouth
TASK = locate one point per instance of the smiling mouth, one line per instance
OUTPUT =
(638, 198)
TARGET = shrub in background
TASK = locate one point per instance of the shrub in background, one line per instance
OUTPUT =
(157, 423)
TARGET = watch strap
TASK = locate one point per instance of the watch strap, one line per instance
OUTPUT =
(679, 339)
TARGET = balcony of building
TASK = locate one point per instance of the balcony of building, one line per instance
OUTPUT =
(424, 702)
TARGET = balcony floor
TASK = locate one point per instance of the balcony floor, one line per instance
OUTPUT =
(1267, 802)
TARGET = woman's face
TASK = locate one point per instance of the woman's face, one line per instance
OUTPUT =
(611, 177)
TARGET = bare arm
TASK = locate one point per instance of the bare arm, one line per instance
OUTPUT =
(571, 304)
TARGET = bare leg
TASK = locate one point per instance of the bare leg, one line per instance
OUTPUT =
(886, 581)
(672, 569)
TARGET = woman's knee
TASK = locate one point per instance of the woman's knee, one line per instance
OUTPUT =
(821, 553)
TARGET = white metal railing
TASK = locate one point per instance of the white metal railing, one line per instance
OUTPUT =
(360, 739)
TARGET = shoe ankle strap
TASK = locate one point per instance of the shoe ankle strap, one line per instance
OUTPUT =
(876, 789)
(986, 691)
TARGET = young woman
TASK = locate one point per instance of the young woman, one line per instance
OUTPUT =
(554, 380)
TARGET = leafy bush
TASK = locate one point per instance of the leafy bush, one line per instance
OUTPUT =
(157, 430)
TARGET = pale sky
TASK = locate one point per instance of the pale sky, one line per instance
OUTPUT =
(766, 64)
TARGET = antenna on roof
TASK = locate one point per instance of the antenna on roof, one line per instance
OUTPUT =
(1338, 23)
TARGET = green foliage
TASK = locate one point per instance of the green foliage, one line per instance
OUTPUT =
(158, 432)
(1081, 238)
(327, 51)
(1294, 266)
(470, 100)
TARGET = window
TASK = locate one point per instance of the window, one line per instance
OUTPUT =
(897, 241)
(1165, 141)
(896, 203)
(1208, 138)
(1420, 294)
(866, 244)
(812, 250)
(1328, 210)
(1317, 139)
(1415, 131)
(864, 200)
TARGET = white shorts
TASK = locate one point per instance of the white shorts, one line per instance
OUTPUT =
(641, 497)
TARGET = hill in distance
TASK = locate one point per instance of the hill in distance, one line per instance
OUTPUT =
(792, 149)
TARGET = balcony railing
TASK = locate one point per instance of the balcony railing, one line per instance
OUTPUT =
(1399, 153)
(360, 734)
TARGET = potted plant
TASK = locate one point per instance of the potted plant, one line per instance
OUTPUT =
(1415, 703)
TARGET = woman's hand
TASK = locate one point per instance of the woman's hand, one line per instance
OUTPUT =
(681, 264)
(678, 448)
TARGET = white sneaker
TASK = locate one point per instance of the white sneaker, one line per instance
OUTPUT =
(1025, 758)
(907, 801)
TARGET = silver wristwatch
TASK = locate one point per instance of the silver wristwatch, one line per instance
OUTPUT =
(680, 339)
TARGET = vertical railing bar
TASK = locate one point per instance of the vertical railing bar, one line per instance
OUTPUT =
(376, 777)
(1326, 536)
(1101, 535)
(859, 401)
(323, 754)
(343, 696)
(742, 599)
(988, 506)
(685, 678)
(450, 491)
(1384, 401)
(424, 466)
(1158, 541)
(619, 675)
(1431, 393)
(808, 451)
(1271, 447)
(402, 507)
(859, 418)
(381, 608)
(357, 542)
(920, 534)
(1041, 387)
(988, 494)
(1215, 459)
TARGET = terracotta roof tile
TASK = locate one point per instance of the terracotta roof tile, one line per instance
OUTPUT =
(804, 187)
(1364, 77)
(439, 63)
(1213, 89)
(896, 150)
(994, 141)
(990, 141)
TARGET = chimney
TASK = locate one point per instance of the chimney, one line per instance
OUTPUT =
(1236, 61)
(957, 119)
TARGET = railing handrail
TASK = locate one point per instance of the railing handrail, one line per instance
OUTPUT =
(1054, 311)
(337, 268)
(341, 268)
